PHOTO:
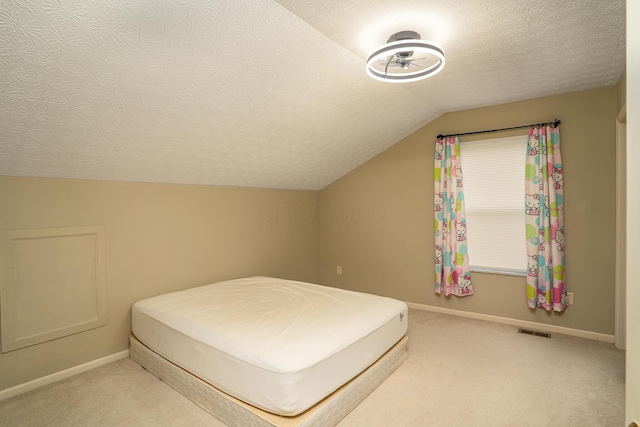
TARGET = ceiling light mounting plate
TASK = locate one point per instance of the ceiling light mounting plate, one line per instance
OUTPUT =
(404, 35)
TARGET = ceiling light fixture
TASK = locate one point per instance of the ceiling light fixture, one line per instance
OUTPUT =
(405, 58)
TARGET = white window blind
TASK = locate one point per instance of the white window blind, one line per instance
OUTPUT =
(493, 174)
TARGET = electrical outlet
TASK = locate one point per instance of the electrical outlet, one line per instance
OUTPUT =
(570, 298)
(339, 269)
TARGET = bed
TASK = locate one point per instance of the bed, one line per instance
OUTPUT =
(263, 351)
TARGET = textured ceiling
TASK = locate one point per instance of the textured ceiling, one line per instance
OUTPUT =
(263, 93)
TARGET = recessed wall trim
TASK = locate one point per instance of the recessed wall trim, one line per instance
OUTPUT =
(52, 284)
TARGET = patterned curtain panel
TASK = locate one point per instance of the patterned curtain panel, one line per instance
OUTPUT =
(453, 275)
(544, 205)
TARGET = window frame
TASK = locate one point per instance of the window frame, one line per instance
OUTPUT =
(522, 141)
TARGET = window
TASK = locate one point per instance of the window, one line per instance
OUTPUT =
(493, 173)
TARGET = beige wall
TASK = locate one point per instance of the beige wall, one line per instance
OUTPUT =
(159, 238)
(388, 248)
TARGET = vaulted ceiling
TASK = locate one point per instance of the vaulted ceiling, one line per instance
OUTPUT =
(264, 93)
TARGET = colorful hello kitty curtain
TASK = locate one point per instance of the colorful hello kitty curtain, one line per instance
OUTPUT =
(544, 206)
(453, 275)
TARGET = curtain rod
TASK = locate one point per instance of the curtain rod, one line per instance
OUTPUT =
(554, 124)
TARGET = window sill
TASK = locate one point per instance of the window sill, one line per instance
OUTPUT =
(490, 270)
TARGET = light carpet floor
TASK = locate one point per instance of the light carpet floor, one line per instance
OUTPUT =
(460, 372)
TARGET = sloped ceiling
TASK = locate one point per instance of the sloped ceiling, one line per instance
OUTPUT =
(263, 93)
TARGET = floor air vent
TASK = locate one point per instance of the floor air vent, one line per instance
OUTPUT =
(536, 333)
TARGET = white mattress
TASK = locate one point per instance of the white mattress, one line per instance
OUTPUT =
(279, 345)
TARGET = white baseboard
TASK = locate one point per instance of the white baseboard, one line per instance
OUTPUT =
(542, 327)
(39, 382)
